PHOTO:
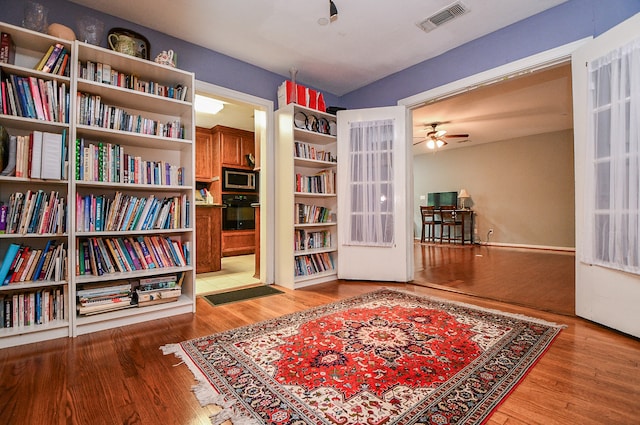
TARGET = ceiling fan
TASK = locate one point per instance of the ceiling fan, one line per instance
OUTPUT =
(435, 138)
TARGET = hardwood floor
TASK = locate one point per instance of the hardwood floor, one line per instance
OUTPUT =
(542, 279)
(589, 375)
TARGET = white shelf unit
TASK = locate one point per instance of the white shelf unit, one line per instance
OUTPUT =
(31, 46)
(148, 147)
(290, 129)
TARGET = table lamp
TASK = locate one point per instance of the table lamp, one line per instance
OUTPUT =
(462, 196)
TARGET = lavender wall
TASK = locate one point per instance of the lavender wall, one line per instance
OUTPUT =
(568, 22)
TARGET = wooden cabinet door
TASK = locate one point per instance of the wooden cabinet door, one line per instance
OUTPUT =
(208, 243)
(231, 150)
(235, 145)
(204, 155)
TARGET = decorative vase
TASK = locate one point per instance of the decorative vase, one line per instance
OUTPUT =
(35, 16)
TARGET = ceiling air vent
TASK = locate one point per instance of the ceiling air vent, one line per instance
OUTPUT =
(445, 15)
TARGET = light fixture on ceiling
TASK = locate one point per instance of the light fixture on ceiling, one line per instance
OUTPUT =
(433, 143)
(207, 105)
(333, 11)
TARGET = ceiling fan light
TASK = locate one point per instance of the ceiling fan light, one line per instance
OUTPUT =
(431, 144)
(440, 143)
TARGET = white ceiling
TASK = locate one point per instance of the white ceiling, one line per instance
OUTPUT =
(536, 103)
(371, 39)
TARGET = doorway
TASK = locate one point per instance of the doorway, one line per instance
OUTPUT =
(243, 113)
(462, 92)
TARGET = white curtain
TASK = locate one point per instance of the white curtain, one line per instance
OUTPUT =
(613, 162)
(370, 183)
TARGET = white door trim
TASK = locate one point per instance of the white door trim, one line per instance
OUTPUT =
(267, 181)
(513, 69)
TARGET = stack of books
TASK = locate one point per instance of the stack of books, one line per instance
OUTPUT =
(158, 290)
(105, 296)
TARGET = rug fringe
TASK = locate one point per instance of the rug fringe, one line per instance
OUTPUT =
(205, 393)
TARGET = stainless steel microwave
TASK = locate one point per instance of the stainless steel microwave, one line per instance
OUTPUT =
(234, 180)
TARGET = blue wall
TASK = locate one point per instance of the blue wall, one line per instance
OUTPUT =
(563, 24)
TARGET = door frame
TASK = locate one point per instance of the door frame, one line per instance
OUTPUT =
(267, 165)
(539, 61)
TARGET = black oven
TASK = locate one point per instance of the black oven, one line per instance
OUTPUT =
(236, 180)
(238, 214)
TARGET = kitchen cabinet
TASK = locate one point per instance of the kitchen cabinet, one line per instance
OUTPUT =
(235, 145)
(208, 219)
(204, 155)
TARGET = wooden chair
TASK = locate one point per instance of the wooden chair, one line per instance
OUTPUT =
(429, 221)
(450, 222)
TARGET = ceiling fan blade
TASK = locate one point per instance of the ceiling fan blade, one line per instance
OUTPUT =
(456, 135)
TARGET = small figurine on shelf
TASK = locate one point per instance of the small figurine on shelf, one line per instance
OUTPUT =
(167, 57)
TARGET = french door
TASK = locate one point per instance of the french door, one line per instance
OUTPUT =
(375, 186)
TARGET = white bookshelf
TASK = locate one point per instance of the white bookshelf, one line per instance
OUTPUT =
(178, 151)
(292, 160)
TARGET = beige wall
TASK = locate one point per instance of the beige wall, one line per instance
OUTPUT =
(522, 188)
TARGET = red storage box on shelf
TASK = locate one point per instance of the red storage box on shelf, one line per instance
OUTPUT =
(304, 96)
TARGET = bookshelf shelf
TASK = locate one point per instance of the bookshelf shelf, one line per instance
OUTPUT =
(297, 153)
(168, 116)
(133, 139)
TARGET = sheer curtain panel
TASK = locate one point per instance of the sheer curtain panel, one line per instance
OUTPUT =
(370, 183)
(613, 162)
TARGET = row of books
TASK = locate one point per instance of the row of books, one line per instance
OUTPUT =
(32, 97)
(158, 290)
(31, 308)
(322, 182)
(33, 212)
(92, 111)
(105, 74)
(23, 263)
(304, 240)
(108, 296)
(97, 213)
(306, 265)
(102, 297)
(38, 155)
(306, 214)
(99, 256)
(309, 151)
(107, 162)
(55, 60)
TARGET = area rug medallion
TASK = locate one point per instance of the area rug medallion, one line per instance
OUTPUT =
(387, 357)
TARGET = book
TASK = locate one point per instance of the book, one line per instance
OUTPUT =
(3, 218)
(9, 258)
(36, 155)
(44, 58)
(7, 48)
(53, 57)
(51, 156)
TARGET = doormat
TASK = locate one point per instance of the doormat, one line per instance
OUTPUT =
(242, 294)
(386, 357)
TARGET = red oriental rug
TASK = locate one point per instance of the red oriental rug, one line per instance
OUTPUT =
(386, 357)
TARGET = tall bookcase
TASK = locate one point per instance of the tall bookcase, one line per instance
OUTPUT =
(306, 201)
(155, 138)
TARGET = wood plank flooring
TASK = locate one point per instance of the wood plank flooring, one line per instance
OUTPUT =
(589, 375)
